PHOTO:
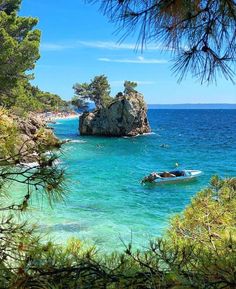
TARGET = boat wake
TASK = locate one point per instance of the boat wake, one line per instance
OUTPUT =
(78, 141)
(139, 135)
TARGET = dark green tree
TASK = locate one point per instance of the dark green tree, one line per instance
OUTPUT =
(19, 49)
(80, 103)
(48, 101)
(201, 34)
(100, 91)
(97, 91)
(82, 90)
(82, 95)
(129, 86)
(31, 99)
(43, 178)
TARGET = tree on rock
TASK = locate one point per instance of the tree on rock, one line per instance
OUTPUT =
(130, 86)
(100, 91)
(97, 91)
(82, 95)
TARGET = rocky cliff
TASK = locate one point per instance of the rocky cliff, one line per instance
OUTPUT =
(36, 136)
(35, 128)
(125, 116)
(22, 139)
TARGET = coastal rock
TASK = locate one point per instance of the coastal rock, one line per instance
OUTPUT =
(30, 125)
(25, 139)
(34, 134)
(125, 116)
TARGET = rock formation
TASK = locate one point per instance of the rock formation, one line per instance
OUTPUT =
(125, 116)
(34, 135)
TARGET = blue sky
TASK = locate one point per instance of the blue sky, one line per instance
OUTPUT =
(78, 43)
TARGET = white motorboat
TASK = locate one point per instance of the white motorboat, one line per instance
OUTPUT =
(172, 176)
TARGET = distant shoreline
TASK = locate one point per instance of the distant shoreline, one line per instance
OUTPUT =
(193, 106)
(66, 117)
(53, 116)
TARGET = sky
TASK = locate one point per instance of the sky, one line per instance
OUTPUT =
(78, 43)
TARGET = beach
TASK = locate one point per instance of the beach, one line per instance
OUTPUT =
(53, 116)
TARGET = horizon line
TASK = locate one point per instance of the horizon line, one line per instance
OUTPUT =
(197, 103)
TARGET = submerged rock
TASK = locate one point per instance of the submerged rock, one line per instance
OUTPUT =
(125, 116)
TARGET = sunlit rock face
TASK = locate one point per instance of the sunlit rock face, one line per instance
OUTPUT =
(125, 116)
(34, 135)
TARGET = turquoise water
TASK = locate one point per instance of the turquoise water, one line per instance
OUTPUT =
(107, 205)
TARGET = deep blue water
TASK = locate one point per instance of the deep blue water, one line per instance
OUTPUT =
(106, 202)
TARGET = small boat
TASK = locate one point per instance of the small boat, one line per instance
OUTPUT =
(172, 176)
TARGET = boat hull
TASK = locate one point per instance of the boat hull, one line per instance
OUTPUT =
(189, 175)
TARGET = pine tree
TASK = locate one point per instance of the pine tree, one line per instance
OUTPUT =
(19, 49)
(200, 34)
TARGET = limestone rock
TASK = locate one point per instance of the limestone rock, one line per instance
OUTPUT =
(23, 139)
(125, 116)
(33, 133)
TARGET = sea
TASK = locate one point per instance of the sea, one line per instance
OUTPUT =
(107, 206)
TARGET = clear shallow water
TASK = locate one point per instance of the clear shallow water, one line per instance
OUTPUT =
(107, 204)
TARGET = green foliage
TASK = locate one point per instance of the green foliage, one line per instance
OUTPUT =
(199, 250)
(97, 91)
(205, 237)
(82, 94)
(80, 103)
(10, 6)
(9, 134)
(18, 49)
(18, 241)
(32, 99)
(24, 101)
(199, 33)
(129, 86)
(46, 101)
(100, 91)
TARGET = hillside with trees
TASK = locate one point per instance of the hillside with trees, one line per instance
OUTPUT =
(19, 51)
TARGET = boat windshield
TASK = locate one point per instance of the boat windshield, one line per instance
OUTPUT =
(178, 173)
